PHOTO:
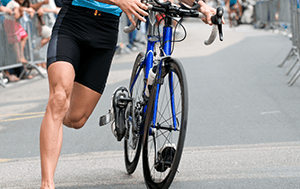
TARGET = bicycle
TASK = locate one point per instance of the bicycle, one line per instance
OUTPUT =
(152, 113)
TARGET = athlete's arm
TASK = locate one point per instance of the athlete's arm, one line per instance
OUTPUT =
(130, 7)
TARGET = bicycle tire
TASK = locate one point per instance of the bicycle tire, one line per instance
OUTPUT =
(160, 161)
(133, 141)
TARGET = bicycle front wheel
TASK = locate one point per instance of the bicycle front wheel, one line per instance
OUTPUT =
(164, 135)
(133, 137)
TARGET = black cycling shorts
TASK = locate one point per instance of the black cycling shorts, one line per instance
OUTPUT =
(87, 39)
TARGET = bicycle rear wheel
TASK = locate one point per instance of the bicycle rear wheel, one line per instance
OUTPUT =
(134, 117)
(164, 139)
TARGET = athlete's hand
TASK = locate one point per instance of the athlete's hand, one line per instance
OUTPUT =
(208, 12)
(204, 9)
(133, 7)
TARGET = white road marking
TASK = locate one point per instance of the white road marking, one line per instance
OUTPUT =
(271, 112)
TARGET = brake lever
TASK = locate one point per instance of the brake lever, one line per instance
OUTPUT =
(195, 6)
(217, 20)
(183, 6)
(131, 28)
(138, 24)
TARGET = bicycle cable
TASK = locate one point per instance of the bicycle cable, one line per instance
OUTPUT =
(175, 28)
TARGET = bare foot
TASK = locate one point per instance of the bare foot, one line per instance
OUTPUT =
(13, 78)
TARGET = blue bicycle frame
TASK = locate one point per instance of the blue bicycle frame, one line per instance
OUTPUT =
(148, 62)
(167, 41)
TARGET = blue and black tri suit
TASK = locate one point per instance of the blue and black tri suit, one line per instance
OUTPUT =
(85, 35)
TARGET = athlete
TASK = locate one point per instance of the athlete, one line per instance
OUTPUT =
(79, 56)
(234, 6)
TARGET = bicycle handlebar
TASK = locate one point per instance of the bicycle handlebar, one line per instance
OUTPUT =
(131, 28)
(216, 19)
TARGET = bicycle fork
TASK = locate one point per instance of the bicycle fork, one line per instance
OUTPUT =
(165, 53)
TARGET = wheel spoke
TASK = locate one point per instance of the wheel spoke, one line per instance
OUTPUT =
(164, 146)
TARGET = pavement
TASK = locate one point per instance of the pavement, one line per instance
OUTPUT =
(209, 161)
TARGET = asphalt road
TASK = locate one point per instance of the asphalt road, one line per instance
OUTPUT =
(243, 127)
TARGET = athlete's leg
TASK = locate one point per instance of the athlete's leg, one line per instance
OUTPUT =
(61, 78)
(70, 103)
(82, 104)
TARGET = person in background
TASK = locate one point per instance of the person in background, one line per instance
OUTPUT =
(234, 6)
(10, 77)
(15, 32)
(5, 9)
(44, 30)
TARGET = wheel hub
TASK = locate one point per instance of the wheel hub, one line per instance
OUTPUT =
(165, 157)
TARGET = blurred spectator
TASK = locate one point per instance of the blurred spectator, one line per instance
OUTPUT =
(20, 7)
(234, 7)
(44, 30)
(277, 12)
(7, 75)
(5, 2)
(51, 7)
(16, 34)
(5, 9)
(11, 77)
(247, 11)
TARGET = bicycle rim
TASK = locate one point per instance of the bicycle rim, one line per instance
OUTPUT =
(133, 138)
(163, 147)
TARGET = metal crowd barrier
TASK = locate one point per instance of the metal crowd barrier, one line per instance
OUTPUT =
(8, 56)
(273, 14)
(295, 51)
(10, 47)
(282, 16)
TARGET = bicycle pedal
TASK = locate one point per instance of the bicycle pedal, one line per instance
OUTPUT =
(120, 100)
(105, 119)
